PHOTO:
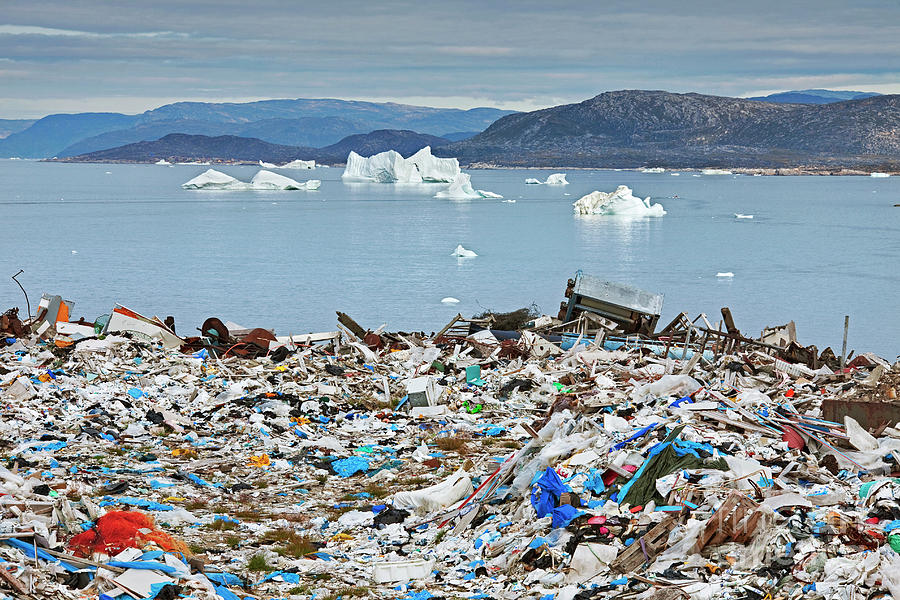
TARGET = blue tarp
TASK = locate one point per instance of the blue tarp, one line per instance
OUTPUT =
(546, 492)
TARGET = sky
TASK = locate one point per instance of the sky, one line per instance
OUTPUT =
(127, 56)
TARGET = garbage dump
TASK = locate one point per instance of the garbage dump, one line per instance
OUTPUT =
(593, 457)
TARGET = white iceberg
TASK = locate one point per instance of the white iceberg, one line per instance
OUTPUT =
(450, 300)
(391, 167)
(554, 179)
(725, 274)
(463, 253)
(299, 164)
(461, 189)
(716, 172)
(211, 180)
(162, 162)
(620, 203)
(263, 180)
(433, 169)
(879, 174)
(267, 180)
(266, 165)
(384, 167)
(742, 216)
(653, 170)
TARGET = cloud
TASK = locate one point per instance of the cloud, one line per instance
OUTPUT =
(54, 32)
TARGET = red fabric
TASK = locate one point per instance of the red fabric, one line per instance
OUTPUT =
(117, 530)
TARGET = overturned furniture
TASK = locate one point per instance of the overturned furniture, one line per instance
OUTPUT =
(632, 309)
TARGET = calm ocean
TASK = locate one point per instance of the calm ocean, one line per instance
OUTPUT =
(817, 248)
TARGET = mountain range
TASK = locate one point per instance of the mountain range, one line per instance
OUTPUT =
(632, 128)
(182, 147)
(300, 122)
(816, 96)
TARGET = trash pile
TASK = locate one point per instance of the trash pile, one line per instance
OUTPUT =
(540, 463)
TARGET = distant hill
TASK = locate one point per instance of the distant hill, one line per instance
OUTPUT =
(182, 147)
(813, 96)
(9, 126)
(403, 141)
(456, 136)
(633, 128)
(300, 122)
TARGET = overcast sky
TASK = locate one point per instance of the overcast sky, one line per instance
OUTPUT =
(81, 55)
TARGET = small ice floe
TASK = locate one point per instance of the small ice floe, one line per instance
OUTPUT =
(461, 252)
(162, 162)
(450, 300)
(508, 201)
(725, 274)
(879, 175)
(742, 216)
(109, 172)
(620, 202)
(554, 179)
(653, 170)
(716, 172)
(74, 251)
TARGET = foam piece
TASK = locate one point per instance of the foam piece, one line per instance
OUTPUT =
(461, 189)
(619, 203)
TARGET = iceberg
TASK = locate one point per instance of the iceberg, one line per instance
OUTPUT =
(725, 274)
(267, 180)
(742, 216)
(211, 180)
(384, 167)
(463, 253)
(450, 300)
(879, 174)
(653, 170)
(461, 189)
(266, 165)
(391, 167)
(263, 180)
(299, 164)
(554, 179)
(162, 162)
(433, 169)
(716, 172)
(620, 203)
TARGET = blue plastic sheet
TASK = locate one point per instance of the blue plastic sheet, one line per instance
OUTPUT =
(563, 515)
(139, 502)
(28, 549)
(224, 578)
(147, 565)
(346, 467)
(546, 492)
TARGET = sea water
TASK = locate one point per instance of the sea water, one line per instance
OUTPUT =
(816, 249)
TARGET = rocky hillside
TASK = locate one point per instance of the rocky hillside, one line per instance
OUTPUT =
(635, 128)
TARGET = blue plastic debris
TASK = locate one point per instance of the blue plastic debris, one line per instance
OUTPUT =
(346, 467)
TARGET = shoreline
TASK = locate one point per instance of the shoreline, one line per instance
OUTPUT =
(819, 170)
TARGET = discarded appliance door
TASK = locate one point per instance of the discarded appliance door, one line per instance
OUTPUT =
(633, 309)
(124, 319)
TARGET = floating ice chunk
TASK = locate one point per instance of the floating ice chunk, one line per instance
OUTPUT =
(620, 202)
(461, 252)
(554, 179)
(557, 179)
(879, 175)
(391, 167)
(299, 164)
(266, 165)
(653, 170)
(267, 180)
(384, 167)
(461, 189)
(211, 180)
(263, 180)
(716, 172)
(742, 216)
(675, 174)
(725, 274)
(509, 201)
(450, 300)
(433, 169)
(162, 162)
